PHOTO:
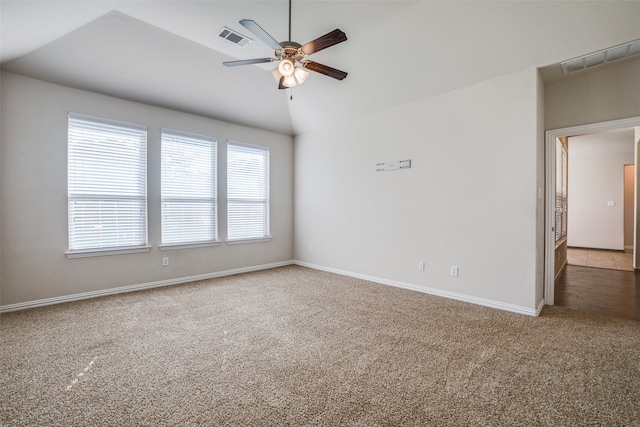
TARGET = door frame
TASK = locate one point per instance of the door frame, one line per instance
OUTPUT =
(550, 185)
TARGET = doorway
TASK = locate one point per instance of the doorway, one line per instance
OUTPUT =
(612, 293)
(600, 169)
(550, 214)
(629, 205)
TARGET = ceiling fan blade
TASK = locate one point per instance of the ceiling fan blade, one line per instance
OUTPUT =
(324, 69)
(281, 83)
(256, 29)
(247, 62)
(334, 37)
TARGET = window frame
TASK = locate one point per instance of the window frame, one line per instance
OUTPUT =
(75, 123)
(213, 156)
(266, 151)
(561, 193)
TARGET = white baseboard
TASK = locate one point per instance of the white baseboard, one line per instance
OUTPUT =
(138, 287)
(180, 280)
(432, 291)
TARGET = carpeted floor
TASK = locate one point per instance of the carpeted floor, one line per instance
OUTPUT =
(294, 346)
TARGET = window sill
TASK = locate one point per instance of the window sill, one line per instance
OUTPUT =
(105, 252)
(251, 240)
(560, 241)
(173, 247)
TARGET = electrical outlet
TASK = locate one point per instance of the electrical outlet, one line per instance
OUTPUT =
(454, 271)
(309, 249)
(421, 266)
(165, 261)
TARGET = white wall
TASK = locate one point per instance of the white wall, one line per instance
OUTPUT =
(470, 198)
(596, 177)
(599, 95)
(1, 115)
(636, 237)
(540, 213)
(34, 196)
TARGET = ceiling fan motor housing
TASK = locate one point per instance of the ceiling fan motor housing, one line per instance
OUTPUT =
(290, 50)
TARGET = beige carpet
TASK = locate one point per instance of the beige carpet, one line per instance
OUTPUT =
(297, 347)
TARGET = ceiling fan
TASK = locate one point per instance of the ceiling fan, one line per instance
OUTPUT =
(293, 65)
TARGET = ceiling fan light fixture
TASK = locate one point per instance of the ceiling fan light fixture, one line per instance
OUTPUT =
(289, 81)
(286, 67)
(300, 75)
(276, 74)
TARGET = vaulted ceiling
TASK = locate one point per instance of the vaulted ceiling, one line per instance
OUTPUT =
(168, 53)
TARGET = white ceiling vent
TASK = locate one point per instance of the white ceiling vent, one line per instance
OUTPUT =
(613, 54)
(234, 37)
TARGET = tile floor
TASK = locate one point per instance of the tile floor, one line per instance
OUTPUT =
(614, 260)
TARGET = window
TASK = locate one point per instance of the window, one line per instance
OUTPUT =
(247, 192)
(107, 184)
(561, 189)
(189, 195)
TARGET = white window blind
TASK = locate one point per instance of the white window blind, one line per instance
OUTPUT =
(189, 191)
(107, 184)
(247, 191)
(561, 191)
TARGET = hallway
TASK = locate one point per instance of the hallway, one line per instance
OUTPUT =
(609, 292)
(616, 260)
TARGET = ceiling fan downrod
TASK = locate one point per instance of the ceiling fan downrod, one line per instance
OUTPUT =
(290, 20)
